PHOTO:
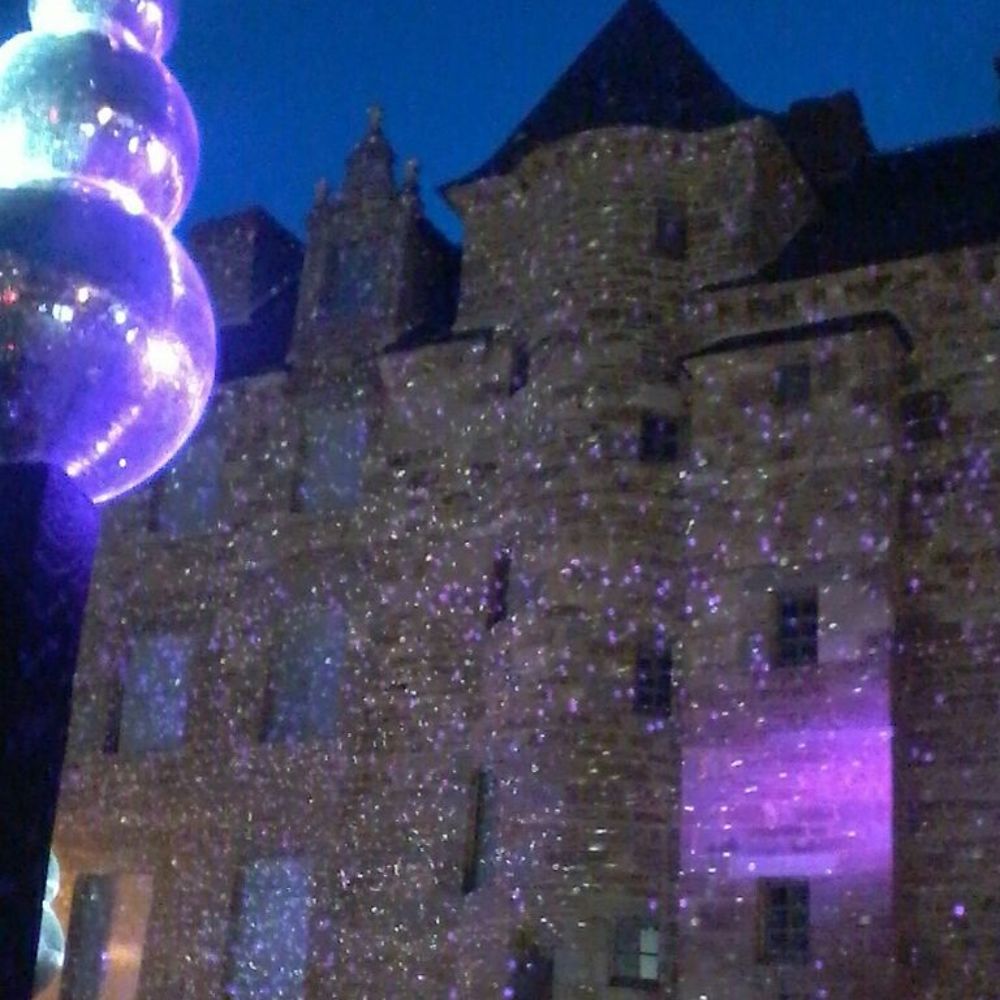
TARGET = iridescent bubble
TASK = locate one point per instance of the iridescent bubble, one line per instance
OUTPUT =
(107, 340)
(87, 105)
(145, 24)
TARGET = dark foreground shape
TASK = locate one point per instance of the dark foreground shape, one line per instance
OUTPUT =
(48, 533)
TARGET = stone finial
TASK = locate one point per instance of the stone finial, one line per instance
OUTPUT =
(370, 167)
(411, 175)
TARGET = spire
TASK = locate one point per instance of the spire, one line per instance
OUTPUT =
(639, 70)
(371, 166)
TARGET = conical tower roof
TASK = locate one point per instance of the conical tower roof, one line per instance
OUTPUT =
(639, 70)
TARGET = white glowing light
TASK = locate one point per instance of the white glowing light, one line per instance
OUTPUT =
(63, 313)
(18, 165)
(157, 155)
(104, 115)
(163, 357)
(59, 17)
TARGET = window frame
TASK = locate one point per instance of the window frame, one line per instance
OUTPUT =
(652, 683)
(797, 647)
(671, 236)
(787, 941)
(923, 416)
(662, 438)
(498, 596)
(793, 386)
(477, 868)
(630, 954)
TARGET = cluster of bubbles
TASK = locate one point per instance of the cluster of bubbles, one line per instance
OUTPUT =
(107, 339)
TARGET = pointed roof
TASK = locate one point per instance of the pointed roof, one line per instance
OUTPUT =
(639, 70)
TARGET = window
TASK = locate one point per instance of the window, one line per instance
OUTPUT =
(792, 386)
(798, 628)
(671, 240)
(924, 416)
(107, 931)
(653, 680)
(532, 977)
(636, 959)
(300, 701)
(187, 499)
(783, 930)
(333, 449)
(269, 933)
(154, 695)
(351, 281)
(499, 588)
(520, 367)
(480, 848)
(661, 438)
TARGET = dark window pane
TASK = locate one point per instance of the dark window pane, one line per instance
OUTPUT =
(636, 957)
(660, 438)
(924, 416)
(155, 697)
(653, 681)
(481, 836)
(671, 232)
(784, 921)
(499, 587)
(300, 702)
(798, 629)
(269, 943)
(520, 366)
(792, 385)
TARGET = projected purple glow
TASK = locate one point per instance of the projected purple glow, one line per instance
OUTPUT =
(107, 339)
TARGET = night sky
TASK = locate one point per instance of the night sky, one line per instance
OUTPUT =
(280, 88)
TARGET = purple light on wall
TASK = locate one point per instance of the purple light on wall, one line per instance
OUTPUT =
(107, 339)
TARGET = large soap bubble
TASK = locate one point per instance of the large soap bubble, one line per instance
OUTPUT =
(84, 104)
(107, 339)
(145, 24)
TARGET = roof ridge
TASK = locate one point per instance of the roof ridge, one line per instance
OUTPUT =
(639, 69)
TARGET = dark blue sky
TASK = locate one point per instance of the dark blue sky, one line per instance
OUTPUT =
(280, 86)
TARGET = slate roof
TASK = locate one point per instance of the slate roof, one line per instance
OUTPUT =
(256, 322)
(897, 205)
(639, 70)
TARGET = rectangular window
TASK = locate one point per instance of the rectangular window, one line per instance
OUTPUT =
(155, 693)
(671, 240)
(653, 680)
(792, 386)
(269, 935)
(783, 921)
(188, 496)
(300, 702)
(798, 628)
(333, 449)
(924, 416)
(107, 931)
(480, 847)
(636, 958)
(533, 977)
(661, 438)
(499, 587)
(520, 367)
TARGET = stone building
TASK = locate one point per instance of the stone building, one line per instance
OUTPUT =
(606, 608)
